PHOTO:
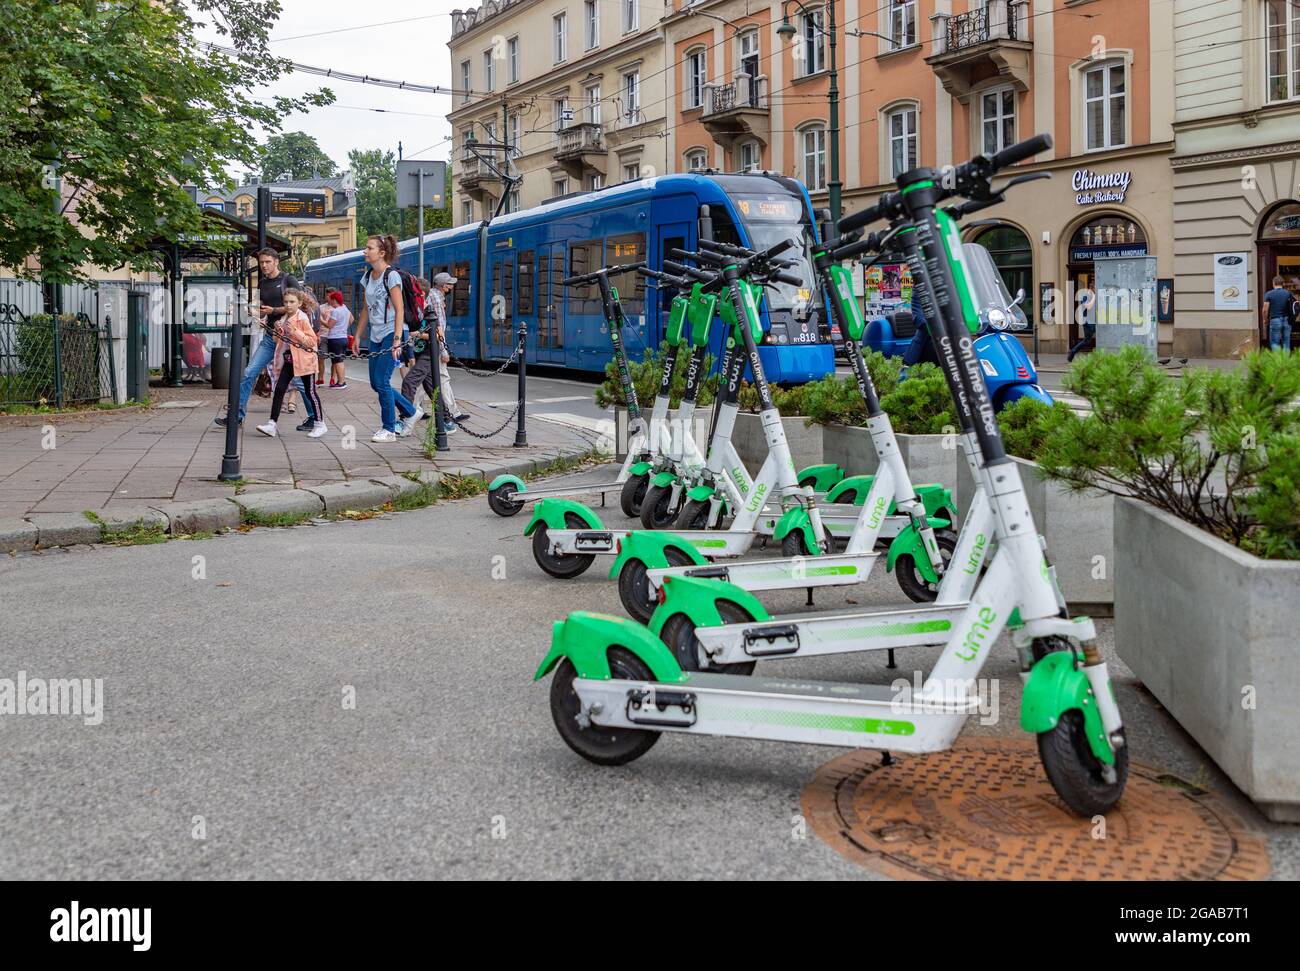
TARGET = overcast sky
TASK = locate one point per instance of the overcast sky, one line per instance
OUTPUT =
(413, 50)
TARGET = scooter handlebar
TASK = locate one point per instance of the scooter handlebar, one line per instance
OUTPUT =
(1021, 151)
(594, 275)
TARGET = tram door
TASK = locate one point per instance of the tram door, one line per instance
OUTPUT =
(671, 236)
(501, 306)
(547, 343)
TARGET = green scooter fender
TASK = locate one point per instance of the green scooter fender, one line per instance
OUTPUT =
(793, 519)
(909, 541)
(824, 476)
(640, 468)
(651, 548)
(1055, 686)
(698, 599)
(664, 479)
(856, 486)
(585, 639)
(937, 500)
(501, 480)
(701, 493)
(551, 513)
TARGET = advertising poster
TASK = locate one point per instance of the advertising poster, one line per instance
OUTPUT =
(1230, 288)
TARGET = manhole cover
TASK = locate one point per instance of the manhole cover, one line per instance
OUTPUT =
(985, 811)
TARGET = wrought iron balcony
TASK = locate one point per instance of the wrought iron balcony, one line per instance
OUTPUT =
(738, 109)
(968, 45)
(576, 141)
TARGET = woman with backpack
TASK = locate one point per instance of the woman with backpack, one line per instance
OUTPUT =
(383, 310)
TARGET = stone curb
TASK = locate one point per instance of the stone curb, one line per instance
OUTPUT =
(212, 515)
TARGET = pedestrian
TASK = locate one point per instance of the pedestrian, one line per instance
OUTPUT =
(271, 290)
(1279, 311)
(382, 313)
(1087, 317)
(295, 348)
(421, 373)
(336, 338)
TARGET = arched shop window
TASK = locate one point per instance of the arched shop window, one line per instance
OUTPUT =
(1282, 223)
(1107, 233)
(1014, 258)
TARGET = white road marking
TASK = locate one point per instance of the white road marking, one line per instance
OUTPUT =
(556, 401)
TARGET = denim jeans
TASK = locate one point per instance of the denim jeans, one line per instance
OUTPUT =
(1279, 334)
(262, 356)
(381, 380)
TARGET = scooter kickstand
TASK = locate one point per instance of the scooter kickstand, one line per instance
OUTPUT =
(810, 600)
(886, 758)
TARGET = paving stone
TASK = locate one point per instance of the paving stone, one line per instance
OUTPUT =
(354, 494)
(64, 529)
(201, 515)
(16, 535)
(281, 501)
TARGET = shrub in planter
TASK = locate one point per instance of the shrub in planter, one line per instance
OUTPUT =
(645, 379)
(789, 402)
(1217, 449)
(921, 404)
(1024, 424)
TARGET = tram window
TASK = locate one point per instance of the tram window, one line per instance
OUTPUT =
(583, 258)
(724, 230)
(628, 248)
(503, 281)
(349, 296)
(460, 295)
(526, 282)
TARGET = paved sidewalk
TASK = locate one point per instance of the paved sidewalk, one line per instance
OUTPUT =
(102, 461)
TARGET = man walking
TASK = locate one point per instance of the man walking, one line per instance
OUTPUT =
(271, 291)
(1279, 311)
(421, 372)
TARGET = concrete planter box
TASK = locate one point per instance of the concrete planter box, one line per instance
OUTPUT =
(1205, 625)
(1080, 531)
(926, 457)
(751, 444)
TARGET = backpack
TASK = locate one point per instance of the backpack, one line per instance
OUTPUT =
(412, 296)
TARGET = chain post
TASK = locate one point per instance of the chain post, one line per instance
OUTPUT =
(521, 433)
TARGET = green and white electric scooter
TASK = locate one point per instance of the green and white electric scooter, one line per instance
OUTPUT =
(617, 686)
(567, 536)
(508, 494)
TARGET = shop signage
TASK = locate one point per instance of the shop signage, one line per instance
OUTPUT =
(1230, 271)
(1093, 187)
(1084, 254)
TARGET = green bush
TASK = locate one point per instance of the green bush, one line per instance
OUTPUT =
(1024, 424)
(1217, 449)
(789, 401)
(645, 380)
(921, 405)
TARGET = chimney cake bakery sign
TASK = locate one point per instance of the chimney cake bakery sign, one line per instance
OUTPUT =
(1091, 187)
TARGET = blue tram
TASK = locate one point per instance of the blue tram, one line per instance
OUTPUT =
(522, 257)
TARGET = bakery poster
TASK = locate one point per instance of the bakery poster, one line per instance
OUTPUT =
(1230, 292)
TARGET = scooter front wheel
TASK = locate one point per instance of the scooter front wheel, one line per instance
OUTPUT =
(502, 506)
(634, 489)
(604, 746)
(679, 635)
(562, 566)
(657, 510)
(634, 588)
(917, 588)
(694, 514)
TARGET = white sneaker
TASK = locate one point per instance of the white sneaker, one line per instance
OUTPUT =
(383, 435)
(317, 430)
(268, 429)
(407, 425)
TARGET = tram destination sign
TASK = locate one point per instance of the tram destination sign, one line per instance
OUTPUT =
(297, 206)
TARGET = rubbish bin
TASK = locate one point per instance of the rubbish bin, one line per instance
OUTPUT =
(221, 368)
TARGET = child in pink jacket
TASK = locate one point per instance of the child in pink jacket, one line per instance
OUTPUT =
(295, 348)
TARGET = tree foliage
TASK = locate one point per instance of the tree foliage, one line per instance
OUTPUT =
(297, 154)
(375, 173)
(122, 97)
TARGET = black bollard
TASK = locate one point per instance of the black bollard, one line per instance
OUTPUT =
(439, 418)
(230, 461)
(521, 433)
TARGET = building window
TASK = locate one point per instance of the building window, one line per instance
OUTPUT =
(811, 52)
(902, 23)
(464, 81)
(593, 103)
(560, 31)
(697, 72)
(814, 158)
(514, 201)
(696, 161)
(489, 72)
(512, 55)
(591, 24)
(998, 120)
(561, 187)
(631, 171)
(515, 128)
(632, 96)
(903, 141)
(750, 157)
(1104, 105)
(467, 211)
(631, 16)
(597, 182)
(562, 116)
(1283, 58)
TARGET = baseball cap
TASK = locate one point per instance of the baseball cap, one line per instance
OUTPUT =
(444, 278)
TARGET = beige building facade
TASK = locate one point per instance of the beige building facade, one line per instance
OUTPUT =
(1236, 168)
(575, 88)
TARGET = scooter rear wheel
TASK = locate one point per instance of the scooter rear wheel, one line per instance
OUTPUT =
(634, 588)
(657, 511)
(917, 588)
(694, 514)
(679, 635)
(604, 746)
(562, 566)
(634, 489)
(502, 506)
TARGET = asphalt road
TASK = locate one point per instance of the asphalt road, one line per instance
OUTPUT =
(225, 682)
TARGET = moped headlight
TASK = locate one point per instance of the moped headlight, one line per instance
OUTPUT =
(997, 319)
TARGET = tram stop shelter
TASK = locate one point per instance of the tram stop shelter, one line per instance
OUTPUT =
(204, 274)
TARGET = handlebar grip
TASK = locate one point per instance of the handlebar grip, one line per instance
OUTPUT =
(728, 248)
(646, 271)
(573, 281)
(680, 254)
(689, 272)
(774, 250)
(788, 278)
(864, 217)
(851, 250)
(1021, 151)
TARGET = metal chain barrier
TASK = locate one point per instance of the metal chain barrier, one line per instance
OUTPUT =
(519, 348)
(457, 362)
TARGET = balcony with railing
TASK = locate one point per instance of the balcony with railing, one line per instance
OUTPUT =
(474, 172)
(988, 40)
(737, 109)
(577, 141)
